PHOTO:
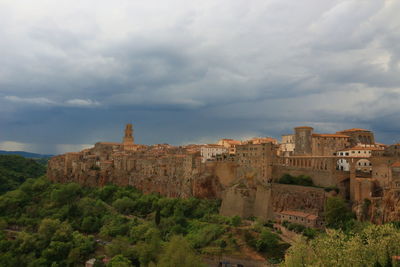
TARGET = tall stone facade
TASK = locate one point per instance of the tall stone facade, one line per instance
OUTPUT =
(128, 138)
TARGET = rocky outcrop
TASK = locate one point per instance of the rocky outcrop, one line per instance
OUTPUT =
(169, 171)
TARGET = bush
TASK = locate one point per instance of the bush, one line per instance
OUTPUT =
(202, 236)
(250, 239)
(310, 233)
(296, 180)
(332, 188)
(236, 221)
(267, 240)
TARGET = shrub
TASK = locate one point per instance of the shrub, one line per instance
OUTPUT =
(267, 241)
(236, 221)
(299, 180)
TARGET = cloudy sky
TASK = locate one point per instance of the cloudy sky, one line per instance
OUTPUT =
(74, 72)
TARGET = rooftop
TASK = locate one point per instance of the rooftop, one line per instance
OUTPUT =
(354, 130)
(396, 164)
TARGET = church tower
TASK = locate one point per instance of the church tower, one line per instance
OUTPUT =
(128, 138)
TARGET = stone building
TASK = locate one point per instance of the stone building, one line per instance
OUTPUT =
(359, 136)
(210, 152)
(287, 145)
(230, 144)
(299, 217)
(255, 160)
(364, 164)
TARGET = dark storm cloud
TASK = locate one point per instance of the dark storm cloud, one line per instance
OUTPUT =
(194, 72)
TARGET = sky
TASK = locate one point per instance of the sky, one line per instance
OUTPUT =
(73, 73)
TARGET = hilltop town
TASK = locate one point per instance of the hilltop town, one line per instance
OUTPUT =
(249, 175)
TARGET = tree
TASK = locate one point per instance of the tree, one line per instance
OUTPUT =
(120, 246)
(157, 217)
(372, 246)
(47, 228)
(124, 205)
(337, 212)
(119, 261)
(267, 240)
(178, 253)
(149, 249)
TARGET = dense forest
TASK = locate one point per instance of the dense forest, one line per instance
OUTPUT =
(14, 170)
(49, 224)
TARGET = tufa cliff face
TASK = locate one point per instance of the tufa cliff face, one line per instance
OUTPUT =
(265, 201)
(170, 171)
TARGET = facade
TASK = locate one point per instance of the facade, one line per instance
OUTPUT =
(303, 218)
(361, 152)
(328, 144)
(359, 136)
(254, 161)
(210, 152)
(303, 141)
(230, 144)
(286, 147)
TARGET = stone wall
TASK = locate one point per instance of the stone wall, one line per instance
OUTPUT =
(264, 200)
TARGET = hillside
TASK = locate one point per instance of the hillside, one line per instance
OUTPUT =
(14, 170)
(25, 154)
(43, 223)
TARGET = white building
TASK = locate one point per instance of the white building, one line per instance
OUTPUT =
(209, 152)
(356, 152)
(286, 147)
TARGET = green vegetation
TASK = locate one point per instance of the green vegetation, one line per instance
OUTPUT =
(303, 180)
(301, 229)
(14, 170)
(371, 245)
(50, 224)
(337, 213)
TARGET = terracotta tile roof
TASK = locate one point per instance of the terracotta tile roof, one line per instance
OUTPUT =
(331, 135)
(396, 164)
(213, 145)
(354, 130)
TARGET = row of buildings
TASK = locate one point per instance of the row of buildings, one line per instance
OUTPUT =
(245, 173)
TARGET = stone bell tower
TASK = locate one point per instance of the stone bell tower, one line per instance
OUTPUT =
(128, 138)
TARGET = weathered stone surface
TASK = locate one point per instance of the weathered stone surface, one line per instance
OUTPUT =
(265, 200)
(170, 171)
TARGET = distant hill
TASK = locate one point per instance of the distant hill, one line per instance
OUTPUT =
(15, 169)
(25, 154)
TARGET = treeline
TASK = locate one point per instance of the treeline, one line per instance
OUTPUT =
(48, 224)
(14, 170)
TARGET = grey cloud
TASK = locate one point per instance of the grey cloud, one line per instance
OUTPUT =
(182, 72)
